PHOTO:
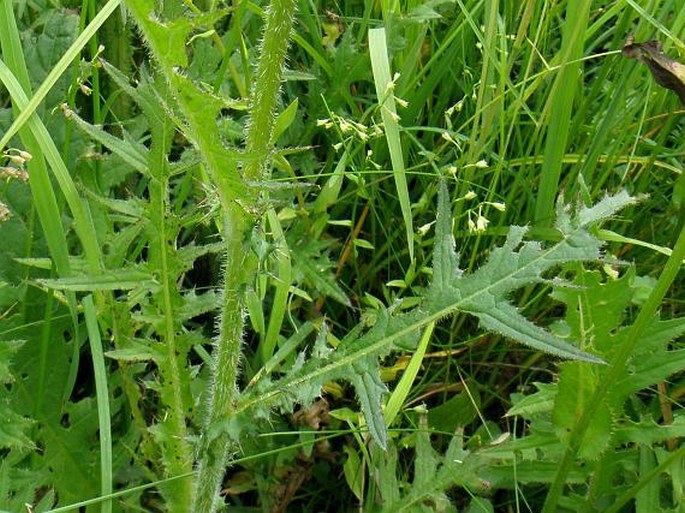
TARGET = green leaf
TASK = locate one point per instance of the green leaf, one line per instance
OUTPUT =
(369, 387)
(122, 279)
(577, 384)
(483, 293)
(445, 259)
(8, 348)
(324, 282)
(652, 362)
(541, 401)
(384, 91)
(63, 430)
(134, 154)
(285, 119)
(135, 351)
(51, 48)
(353, 472)
(595, 311)
(14, 429)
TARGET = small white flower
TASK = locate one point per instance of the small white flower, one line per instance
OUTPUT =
(481, 223)
(16, 159)
(423, 230)
(470, 195)
(472, 225)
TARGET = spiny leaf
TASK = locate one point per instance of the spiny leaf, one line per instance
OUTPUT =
(369, 387)
(445, 260)
(482, 293)
(131, 152)
(595, 309)
(511, 266)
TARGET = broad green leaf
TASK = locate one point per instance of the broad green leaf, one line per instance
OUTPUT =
(64, 426)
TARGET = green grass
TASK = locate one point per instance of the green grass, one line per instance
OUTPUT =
(268, 256)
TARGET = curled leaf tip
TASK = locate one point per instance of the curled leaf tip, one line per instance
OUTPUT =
(667, 72)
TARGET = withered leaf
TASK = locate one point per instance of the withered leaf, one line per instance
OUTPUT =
(667, 72)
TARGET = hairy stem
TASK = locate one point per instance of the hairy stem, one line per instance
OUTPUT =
(215, 452)
(227, 351)
(264, 95)
(237, 200)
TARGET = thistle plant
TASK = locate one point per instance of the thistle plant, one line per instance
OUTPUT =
(200, 287)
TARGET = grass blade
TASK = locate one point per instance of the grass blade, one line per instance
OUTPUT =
(102, 397)
(559, 109)
(59, 69)
(380, 64)
(42, 144)
(399, 395)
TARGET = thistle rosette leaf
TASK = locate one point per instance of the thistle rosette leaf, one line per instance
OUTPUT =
(517, 263)
(484, 293)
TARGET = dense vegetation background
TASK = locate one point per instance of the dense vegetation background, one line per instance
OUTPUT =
(269, 256)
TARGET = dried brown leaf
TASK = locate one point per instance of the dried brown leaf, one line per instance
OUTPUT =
(667, 72)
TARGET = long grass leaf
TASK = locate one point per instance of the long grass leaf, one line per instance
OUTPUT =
(380, 64)
(401, 392)
(83, 222)
(559, 109)
(58, 69)
(102, 398)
